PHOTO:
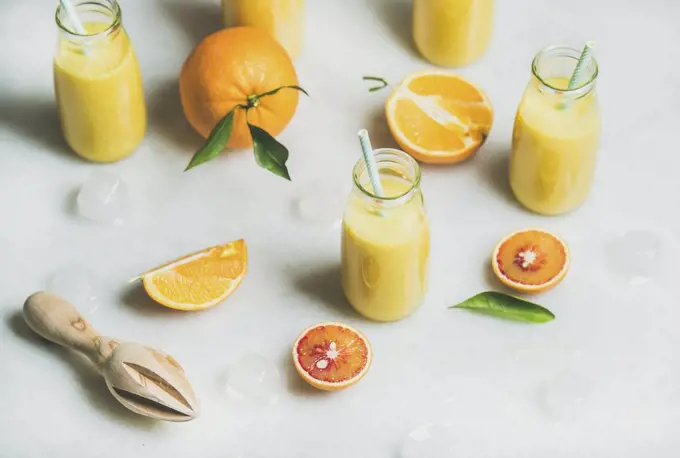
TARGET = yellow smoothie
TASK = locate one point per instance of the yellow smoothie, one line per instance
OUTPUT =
(554, 148)
(283, 19)
(385, 256)
(452, 33)
(99, 91)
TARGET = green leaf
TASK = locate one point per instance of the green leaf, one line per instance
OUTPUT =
(216, 142)
(505, 306)
(269, 153)
(274, 91)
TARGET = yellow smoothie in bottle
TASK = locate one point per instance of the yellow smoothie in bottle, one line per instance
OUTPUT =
(555, 140)
(452, 33)
(283, 19)
(386, 244)
(99, 90)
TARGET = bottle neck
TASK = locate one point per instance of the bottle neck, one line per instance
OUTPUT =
(101, 19)
(552, 70)
(399, 173)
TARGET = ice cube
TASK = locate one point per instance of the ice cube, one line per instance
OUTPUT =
(637, 255)
(104, 198)
(567, 395)
(429, 441)
(254, 378)
(77, 285)
(320, 203)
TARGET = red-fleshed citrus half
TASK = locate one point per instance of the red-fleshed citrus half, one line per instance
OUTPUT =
(332, 356)
(531, 260)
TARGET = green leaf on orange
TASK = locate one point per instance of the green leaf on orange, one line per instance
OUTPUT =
(216, 142)
(269, 153)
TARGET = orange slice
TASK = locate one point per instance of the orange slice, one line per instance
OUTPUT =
(199, 280)
(531, 260)
(439, 117)
(332, 356)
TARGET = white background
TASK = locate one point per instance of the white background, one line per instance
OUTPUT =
(484, 377)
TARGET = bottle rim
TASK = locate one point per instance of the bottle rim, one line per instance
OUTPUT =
(112, 7)
(389, 158)
(570, 53)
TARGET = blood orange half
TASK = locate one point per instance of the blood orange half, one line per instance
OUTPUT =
(531, 260)
(332, 356)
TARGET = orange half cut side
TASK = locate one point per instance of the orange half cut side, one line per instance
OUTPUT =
(439, 117)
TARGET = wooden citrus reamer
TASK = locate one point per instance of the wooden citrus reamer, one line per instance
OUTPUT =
(145, 380)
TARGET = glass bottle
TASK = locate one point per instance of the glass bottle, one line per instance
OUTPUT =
(98, 84)
(556, 135)
(452, 33)
(386, 240)
(283, 19)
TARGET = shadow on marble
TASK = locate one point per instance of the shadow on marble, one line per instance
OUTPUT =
(196, 20)
(166, 117)
(85, 373)
(323, 285)
(493, 169)
(36, 120)
(376, 123)
(492, 281)
(136, 299)
(293, 382)
(396, 17)
(70, 207)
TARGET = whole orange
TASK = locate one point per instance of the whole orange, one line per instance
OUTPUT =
(224, 70)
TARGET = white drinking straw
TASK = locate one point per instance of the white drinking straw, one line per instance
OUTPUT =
(371, 166)
(73, 17)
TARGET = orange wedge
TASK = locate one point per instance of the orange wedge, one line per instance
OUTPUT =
(200, 280)
(531, 260)
(332, 356)
(439, 117)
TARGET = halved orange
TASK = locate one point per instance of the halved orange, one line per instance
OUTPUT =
(531, 260)
(439, 117)
(199, 280)
(332, 356)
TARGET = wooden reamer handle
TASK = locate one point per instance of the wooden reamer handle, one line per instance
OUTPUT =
(56, 320)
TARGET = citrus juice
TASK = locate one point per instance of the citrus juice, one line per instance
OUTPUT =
(452, 33)
(98, 86)
(283, 19)
(554, 148)
(385, 252)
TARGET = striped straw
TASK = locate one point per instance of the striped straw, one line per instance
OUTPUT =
(371, 166)
(580, 65)
(73, 17)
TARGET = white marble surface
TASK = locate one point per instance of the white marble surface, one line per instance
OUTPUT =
(602, 380)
